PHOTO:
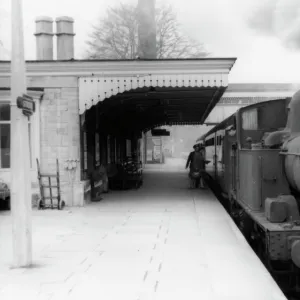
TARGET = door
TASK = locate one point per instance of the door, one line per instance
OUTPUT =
(233, 166)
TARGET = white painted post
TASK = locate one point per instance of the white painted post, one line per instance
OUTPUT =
(21, 205)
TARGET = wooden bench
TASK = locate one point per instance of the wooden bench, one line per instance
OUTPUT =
(134, 173)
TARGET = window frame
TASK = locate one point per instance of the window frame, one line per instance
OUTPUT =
(34, 121)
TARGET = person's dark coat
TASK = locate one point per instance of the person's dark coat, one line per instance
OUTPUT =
(190, 161)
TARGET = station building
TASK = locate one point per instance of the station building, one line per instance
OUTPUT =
(96, 111)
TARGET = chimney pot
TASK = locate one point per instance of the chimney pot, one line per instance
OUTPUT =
(44, 38)
(65, 38)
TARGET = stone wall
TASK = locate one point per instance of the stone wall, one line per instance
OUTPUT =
(60, 135)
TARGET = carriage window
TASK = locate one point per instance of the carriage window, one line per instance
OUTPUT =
(210, 142)
(250, 120)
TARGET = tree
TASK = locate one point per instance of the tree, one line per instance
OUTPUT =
(116, 36)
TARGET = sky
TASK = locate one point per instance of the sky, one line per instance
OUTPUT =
(264, 35)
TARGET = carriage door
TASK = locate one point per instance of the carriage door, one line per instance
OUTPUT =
(220, 157)
(233, 158)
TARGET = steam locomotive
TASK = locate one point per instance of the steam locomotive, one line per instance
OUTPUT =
(255, 168)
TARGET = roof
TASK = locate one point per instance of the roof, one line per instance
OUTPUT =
(173, 93)
(141, 94)
(109, 68)
(132, 60)
(261, 87)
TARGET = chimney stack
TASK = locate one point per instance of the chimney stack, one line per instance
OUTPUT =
(147, 29)
(44, 38)
(65, 38)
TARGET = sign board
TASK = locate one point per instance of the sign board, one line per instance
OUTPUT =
(160, 132)
(27, 105)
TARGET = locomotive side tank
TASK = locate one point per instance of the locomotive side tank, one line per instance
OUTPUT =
(255, 163)
(292, 144)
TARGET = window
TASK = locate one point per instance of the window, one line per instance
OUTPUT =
(250, 119)
(5, 135)
(5, 145)
(97, 148)
(5, 139)
(210, 142)
(85, 153)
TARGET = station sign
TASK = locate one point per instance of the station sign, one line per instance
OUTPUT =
(160, 132)
(27, 105)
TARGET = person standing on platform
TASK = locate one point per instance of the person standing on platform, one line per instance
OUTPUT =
(196, 163)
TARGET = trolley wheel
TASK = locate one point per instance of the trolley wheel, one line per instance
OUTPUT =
(40, 204)
(61, 205)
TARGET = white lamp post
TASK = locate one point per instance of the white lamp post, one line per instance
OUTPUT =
(21, 205)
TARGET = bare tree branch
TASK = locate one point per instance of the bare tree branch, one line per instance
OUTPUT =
(116, 36)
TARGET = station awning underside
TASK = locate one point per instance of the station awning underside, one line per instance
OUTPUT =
(144, 109)
(139, 103)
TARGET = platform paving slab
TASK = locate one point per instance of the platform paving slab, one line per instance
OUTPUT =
(160, 242)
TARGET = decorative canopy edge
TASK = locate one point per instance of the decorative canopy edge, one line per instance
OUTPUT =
(93, 90)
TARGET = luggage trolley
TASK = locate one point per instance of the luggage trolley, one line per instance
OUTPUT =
(49, 185)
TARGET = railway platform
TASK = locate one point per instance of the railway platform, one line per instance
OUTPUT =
(160, 242)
